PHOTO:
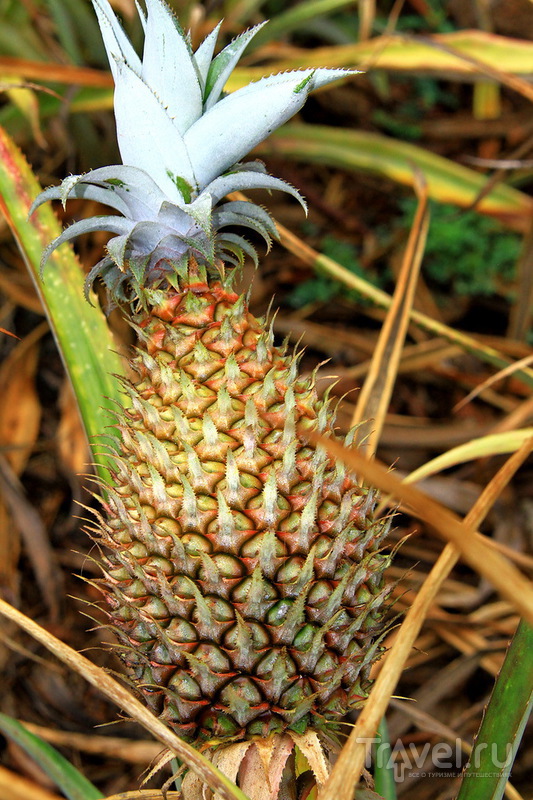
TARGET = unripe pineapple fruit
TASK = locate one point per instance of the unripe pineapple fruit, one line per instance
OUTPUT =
(243, 569)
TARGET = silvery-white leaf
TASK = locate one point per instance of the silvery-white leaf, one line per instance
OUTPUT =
(147, 138)
(146, 234)
(204, 56)
(51, 193)
(168, 66)
(67, 184)
(200, 211)
(250, 211)
(222, 219)
(134, 194)
(176, 219)
(117, 45)
(116, 248)
(243, 181)
(137, 189)
(100, 194)
(99, 267)
(235, 125)
(248, 166)
(316, 79)
(321, 77)
(117, 225)
(241, 242)
(223, 65)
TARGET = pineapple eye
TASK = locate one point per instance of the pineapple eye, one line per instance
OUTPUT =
(290, 570)
(181, 631)
(260, 637)
(194, 543)
(157, 564)
(228, 566)
(213, 657)
(278, 612)
(319, 593)
(168, 526)
(155, 608)
(221, 610)
(304, 638)
(185, 686)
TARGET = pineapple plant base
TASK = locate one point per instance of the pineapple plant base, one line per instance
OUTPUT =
(265, 769)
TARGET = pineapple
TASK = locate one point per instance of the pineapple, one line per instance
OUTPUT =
(243, 570)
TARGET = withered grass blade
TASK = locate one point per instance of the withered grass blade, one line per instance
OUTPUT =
(374, 397)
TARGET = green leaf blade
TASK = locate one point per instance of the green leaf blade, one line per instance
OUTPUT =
(71, 782)
(82, 335)
(447, 181)
(503, 724)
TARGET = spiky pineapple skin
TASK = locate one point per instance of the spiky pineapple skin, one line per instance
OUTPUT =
(243, 571)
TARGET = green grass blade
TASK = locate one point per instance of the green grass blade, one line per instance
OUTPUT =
(71, 782)
(504, 721)
(447, 181)
(293, 18)
(483, 447)
(81, 332)
(66, 31)
(384, 782)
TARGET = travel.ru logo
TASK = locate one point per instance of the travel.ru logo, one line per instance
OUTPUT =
(431, 759)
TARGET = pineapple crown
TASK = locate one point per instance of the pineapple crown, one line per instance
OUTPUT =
(181, 140)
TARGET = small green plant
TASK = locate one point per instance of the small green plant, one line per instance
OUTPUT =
(321, 288)
(467, 254)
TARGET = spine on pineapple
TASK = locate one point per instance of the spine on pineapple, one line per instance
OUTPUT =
(242, 566)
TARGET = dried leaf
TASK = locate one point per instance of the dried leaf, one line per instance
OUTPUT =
(71, 440)
(24, 97)
(252, 777)
(192, 787)
(34, 536)
(21, 409)
(15, 787)
(311, 747)
(375, 395)
(284, 746)
(229, 759)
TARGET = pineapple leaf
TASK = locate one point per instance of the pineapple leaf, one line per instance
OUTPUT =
(117, 225)
(139, 193)
(245, 180)
(117, 44)
(253, 212)
(235, 125)
(204, 56)
(142, 15)
(224, 218)
(200, 211)
(139, 113)
(168, 66)
(234, 242)
(83, 191)
(223, 65)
